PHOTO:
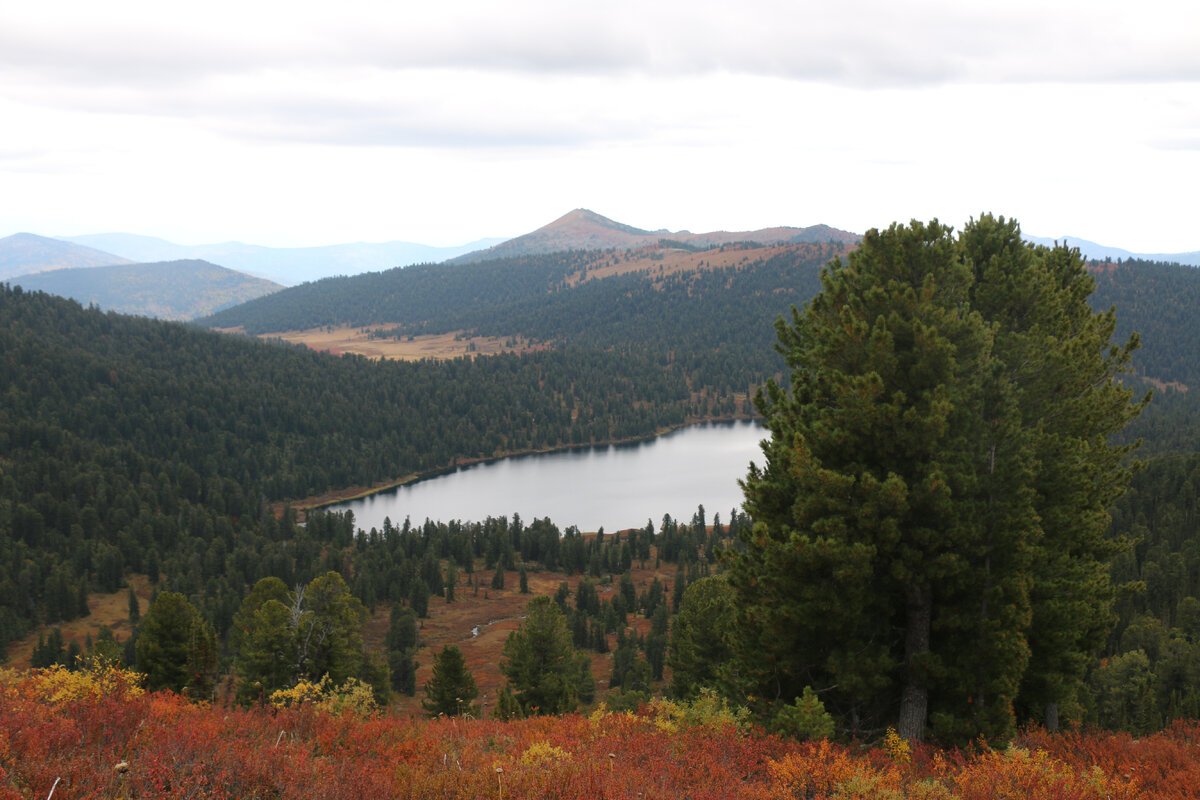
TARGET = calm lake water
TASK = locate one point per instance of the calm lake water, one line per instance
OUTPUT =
(614, 487)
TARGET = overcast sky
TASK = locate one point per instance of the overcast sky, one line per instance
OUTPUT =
(299, 123)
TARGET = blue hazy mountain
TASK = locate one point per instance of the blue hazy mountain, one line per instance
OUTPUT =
(285, 265)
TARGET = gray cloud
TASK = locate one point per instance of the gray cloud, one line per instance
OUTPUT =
(517, 73)
(857, 42)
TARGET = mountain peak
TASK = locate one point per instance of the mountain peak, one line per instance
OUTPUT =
(583, 219)
(583, 229)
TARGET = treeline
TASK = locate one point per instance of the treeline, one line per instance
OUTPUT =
(126, 441)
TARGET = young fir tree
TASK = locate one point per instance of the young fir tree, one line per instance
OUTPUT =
(451, 581)
(135, 608)
(655, 644)
(901, 559)
(264, 641)
(539, 661)
(507, 706)
(451, 690)
(401, 649)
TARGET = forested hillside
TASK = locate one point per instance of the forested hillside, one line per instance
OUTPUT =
(1161, 302)
(122, 437)
(707, 311)
(710, 319)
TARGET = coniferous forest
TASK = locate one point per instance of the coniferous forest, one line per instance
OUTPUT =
(136, 447)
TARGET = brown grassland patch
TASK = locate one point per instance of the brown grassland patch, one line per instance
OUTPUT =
(497, 613)
(104, 609)
(346, 339)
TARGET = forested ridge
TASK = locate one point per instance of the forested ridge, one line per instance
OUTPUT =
(706, 320)
(705, 314)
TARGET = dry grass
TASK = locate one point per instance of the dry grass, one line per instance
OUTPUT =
(345, 339)
(497, 613)
(105, 609)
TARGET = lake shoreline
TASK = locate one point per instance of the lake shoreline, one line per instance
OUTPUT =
(348, 494)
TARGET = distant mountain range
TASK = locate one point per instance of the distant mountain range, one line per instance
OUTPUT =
(23, 253)
(1101, 252)
(586, 230)
(580, 229)
(180, 290)
(285, 265)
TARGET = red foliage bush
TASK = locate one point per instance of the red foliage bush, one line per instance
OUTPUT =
(175, 749)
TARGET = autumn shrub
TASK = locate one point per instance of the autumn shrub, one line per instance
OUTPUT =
(1162, 765)
(1037, 775)
(708, 710)
(173, 749)
(352, 696)
(57, 684)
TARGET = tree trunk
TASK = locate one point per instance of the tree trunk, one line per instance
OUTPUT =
(914, 702)
(1051, 716)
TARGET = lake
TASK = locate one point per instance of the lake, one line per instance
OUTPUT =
(614, 486)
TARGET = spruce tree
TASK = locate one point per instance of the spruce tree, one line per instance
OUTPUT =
(401, 649)
(135, 607)
(451, 690)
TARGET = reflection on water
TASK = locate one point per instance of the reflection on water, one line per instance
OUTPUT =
(614, 487)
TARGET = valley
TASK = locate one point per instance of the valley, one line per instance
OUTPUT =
(191, 453)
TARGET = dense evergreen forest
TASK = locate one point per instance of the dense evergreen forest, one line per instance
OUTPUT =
(701, 321)
(129, 445)
(704, 320)
(127, 440)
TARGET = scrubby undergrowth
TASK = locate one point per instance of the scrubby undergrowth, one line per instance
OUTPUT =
(100, 736)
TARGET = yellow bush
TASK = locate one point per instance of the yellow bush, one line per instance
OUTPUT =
(542, 753)
(896, 747)
(353, 696)
(303, 692)
(709, 710)
(100, 677)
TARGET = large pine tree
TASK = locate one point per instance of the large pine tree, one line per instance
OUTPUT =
(911, 557)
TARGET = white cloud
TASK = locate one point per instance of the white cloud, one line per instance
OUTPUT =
(308, 123)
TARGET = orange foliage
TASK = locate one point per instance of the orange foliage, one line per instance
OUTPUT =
(175, 749)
